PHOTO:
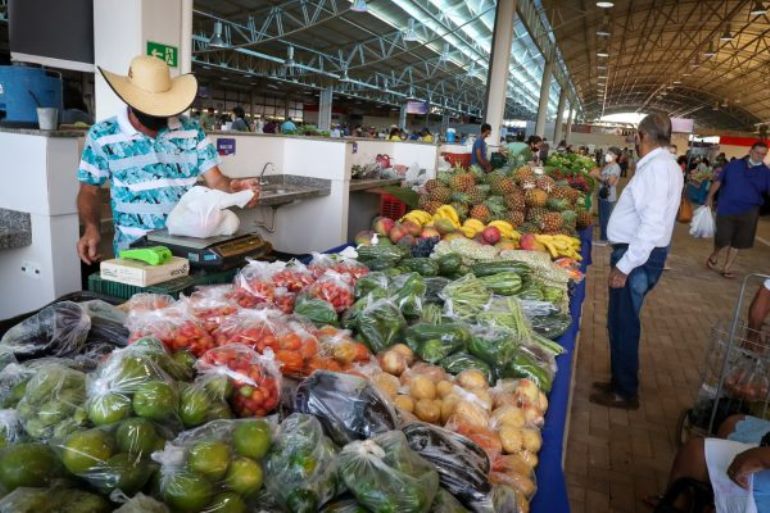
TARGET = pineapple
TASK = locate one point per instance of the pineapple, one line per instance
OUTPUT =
(441, 194)
(528, 227)
(516, 218)
(479, 175)
(476, 195)
(545, 183)
(584, 219)
(507, 186)
(461, 209)
(460, 197)
(523, 174)
(515, 201)
(480, 212)
(423, 201)
(496, 206)
(561, 192)
(462, 181)
(557, 205)
(444, 177)
(432, 184)
(535, 216)
(528, 184)
(535, 198)
(552, 222)
(569, 217)
(432, 206)
(495, 180)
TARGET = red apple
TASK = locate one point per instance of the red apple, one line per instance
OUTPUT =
(428, 233)
(491, 235)
(412, 228)
(397, 233)
(383, 225)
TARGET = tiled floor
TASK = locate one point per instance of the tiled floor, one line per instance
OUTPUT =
(614, 457)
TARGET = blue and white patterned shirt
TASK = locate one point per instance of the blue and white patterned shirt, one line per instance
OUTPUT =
(147, 176)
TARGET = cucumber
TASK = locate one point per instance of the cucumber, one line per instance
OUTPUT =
(367, 253)
(503, 266)
(504, 284)
(420, 265)
(449, 263)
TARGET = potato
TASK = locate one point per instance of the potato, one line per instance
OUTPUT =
(532, 440)
(500, 399)
(513, 463)
(484, 399)
(404, 351)
(387, 384)
(471, 414)
(427, 411)
(404, 402)
(422, 387)
(542, 402)
(522, 483)
(527, 390)
(393, 362)
(522, 502)
(444, 388)
(529, 458)
(508, 416)
(448, 405)
(533, 415)
(512, 439)
(472, 378)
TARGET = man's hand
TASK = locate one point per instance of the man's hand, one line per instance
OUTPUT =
(747, 463)
(88, 246)
(617, 279)
(237, 185)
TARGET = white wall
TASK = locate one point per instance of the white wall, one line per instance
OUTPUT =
(404, 153)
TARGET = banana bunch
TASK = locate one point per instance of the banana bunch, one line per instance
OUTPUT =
(420, 217)
(447, 212)
(506, 230)
(471, 227)
(561, 245)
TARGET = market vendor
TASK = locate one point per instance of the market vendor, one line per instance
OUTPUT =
(150, 154)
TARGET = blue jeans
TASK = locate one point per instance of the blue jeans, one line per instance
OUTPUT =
(623, 322)
(605, 210)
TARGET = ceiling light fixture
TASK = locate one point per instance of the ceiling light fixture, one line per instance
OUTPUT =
(726, 36)
(725, 103)
(359, 6)
(602, 54)
(605, 5)
(216, 40)
(445, 53)
(411, 34)
(711, 52)
(601, 67)
(758, 9)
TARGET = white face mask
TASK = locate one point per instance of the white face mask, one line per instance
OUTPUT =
(609, 158)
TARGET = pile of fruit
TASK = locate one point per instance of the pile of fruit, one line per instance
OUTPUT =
(525, 201)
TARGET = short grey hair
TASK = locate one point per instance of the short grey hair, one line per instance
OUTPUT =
(657, 127)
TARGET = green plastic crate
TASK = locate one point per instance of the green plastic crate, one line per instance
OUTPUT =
(184, 285)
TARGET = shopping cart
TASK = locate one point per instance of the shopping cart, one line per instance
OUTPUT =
(736, 373)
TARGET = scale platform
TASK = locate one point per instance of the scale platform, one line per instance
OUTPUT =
(215, 253)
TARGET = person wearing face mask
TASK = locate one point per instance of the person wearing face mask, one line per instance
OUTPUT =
(608, 193)
(741, 186)
(150, 154)
(639, 230)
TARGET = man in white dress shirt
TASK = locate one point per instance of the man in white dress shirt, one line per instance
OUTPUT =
(639, 230)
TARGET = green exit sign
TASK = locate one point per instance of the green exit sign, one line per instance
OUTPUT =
(166, 53)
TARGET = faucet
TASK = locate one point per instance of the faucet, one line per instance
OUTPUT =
(262, 174)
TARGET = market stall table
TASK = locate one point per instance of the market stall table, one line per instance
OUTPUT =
(552, 494)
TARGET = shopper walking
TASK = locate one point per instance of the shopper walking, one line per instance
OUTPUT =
(479, 150)
(741, 186)
(623, 163)
(640, 230)
(238, 115)
(608, 194)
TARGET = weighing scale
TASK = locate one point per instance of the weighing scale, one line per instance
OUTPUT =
(213, 253)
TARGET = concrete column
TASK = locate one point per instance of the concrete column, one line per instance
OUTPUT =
(325, 109)
(568, 131)
(122, 29)
(402, 117)
(559, 116)
(545, 96)
(499, 67)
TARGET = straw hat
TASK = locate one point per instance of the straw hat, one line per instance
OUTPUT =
(149, 88)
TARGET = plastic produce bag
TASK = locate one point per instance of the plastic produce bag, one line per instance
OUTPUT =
(301, 469)
(53, 404)
(58, 500)
(502, 499)
(297, 347)
(344, 505)
(31, 464)
(338, 350)
(372, 281)
(57, 330)
(461, 361)
(551, 326)
(149, 301)
(255, 378)
(534, 309)
(141, 503)
(349, 407)
(435, 342)
(215, 465)
(174, 326)
(462, 465)
(465, 298)
(211, 305)
(748, 381)
(294, 277)
(381, 324)
(445, 502)
(527, 364)
(334, 288)
(318, 311)
(254, 283)
(343, 263)
(202, 212)
(384, 474)
(702, 225)
(11, 430)
(257, 329)
(205, 399)
(494, 346)
(409, 293)
(351, 315)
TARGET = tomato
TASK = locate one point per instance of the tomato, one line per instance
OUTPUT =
(176, 335)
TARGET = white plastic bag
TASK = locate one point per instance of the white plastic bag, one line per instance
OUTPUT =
(202, 213)
(702, 225)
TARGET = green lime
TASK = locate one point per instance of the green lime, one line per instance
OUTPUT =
(194, 406)
(109, 408)
(219, 387)
(123, 472)
(186, 492)
(137, 436)
(244, 476)
(155, 400)
(131, 371)
(27, 464)
(251, 438)
(210, 459)
(86, 449)
(220, 410)
(227, 502)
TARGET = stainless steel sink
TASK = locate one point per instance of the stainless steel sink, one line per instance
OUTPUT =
(274, 190)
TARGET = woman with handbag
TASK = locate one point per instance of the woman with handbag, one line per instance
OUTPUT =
(608, 194)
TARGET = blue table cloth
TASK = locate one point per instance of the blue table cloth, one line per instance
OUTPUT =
(551, 483)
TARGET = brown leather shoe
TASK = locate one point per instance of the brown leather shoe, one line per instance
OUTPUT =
(613, 400)
(603, 386)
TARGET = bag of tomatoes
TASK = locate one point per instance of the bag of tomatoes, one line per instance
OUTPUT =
(343, 263)
(257, 329)
(285, 300)
(294, 276)
(339, 346)
(297, 346)
(174, 325)
(254, 283)
(334, 288)
(145, 301)
(255, 378)
(212, 304)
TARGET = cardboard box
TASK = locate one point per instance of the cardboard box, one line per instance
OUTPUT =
(140, 274)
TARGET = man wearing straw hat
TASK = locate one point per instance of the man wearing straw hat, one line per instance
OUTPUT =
(150, 154)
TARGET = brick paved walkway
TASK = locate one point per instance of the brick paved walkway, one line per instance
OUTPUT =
(614, 457)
